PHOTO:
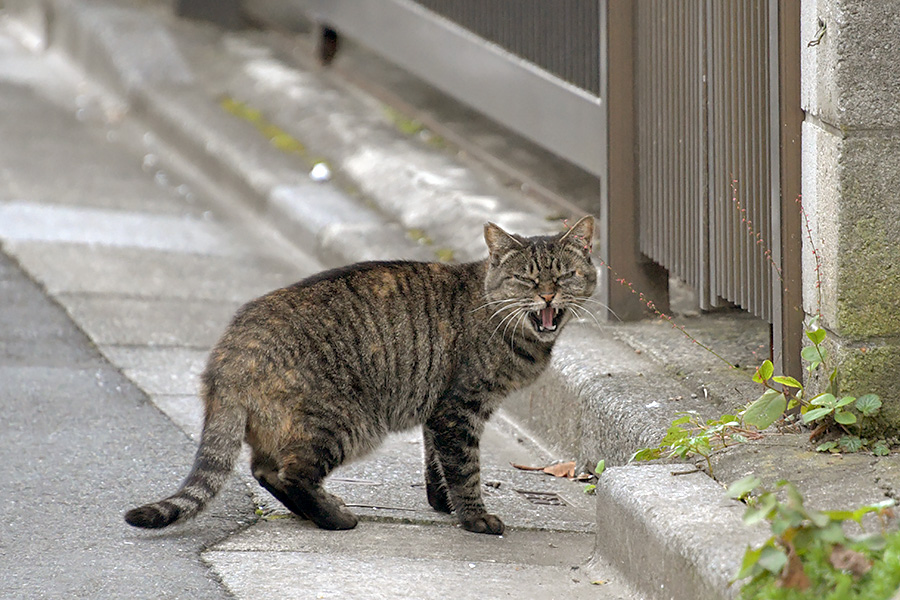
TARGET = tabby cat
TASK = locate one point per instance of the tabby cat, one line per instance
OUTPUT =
(316, 374)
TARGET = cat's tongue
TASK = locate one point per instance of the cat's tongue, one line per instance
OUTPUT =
(547, 317)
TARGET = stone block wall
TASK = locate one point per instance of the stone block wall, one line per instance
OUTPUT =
(851, 189)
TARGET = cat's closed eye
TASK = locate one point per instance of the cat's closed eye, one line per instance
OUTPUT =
(526, 280)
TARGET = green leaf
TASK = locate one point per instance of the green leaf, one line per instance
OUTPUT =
(816, 336)
(772, 559)
(832, 533)
(740, 488)
(819, 519)
(845, 401)
(810, 354)
(824, 400)
(675, 435)
(851, 443)
(764, 372)
(862, 511)
(749, 566)
(590, 489)
(881, 448)
(601, 466)
(766, 410)
(827, 446)
(868, 404)
(646, 454)
(844, 418)
(761, 510)
(788, 381)
(815, 414)
(875, 542)
(839, 515)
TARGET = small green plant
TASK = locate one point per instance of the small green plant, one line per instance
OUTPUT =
(827, 410)
(689, 435)
(809, 555)
(598, 471)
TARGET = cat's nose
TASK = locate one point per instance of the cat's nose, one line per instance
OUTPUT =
(548, 298)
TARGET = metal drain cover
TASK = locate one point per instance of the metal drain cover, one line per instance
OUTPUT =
(542, 498)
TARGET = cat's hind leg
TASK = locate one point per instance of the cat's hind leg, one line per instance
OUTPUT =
(302, 472)
(435, 484)
(265, 471)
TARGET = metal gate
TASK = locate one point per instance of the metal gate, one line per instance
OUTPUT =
(704, 167)
(708, 116)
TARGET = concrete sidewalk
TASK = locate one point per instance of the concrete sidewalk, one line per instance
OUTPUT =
(240, 119)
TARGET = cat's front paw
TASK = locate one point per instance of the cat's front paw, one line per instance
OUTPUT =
(483, 523)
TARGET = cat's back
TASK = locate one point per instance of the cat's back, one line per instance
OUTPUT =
(389, 289)
(368, 327)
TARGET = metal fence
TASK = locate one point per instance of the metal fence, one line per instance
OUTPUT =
(704, 166)
(562, 37)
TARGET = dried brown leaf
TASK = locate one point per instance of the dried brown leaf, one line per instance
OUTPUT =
(793, 575)
(566, 469)
(526, 467)
(844, 559)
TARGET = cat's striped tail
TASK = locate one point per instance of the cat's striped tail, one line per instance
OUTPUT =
(223, 433)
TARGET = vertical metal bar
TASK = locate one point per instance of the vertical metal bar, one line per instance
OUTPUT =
(719, 129)
(713, 61)
(751, 287)
(704, 159)
(751, 185)
(786, 120)
(619, 208)
(736, 90)
(679, 70)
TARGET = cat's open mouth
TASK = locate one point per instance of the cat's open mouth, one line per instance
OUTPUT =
(546, 319)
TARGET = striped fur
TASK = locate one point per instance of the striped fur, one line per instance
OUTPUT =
(316, 374)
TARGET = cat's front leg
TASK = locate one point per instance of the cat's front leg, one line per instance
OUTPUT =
(456, 436)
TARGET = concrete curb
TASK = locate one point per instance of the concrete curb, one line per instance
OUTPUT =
(666, 529)
(686, 536)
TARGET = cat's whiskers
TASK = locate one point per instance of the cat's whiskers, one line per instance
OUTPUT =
(508, 316)
(501, 301)
(602, 305)
(579, 310)
(512, 305)
(505, 319)
(521, 324)
(518, 313)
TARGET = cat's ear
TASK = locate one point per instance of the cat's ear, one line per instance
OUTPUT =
(499, 242)
(581, 234)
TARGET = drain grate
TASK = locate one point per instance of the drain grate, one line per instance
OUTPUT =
(542, 498)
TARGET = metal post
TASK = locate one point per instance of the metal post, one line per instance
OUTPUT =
(787, 119)
(619, 213)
